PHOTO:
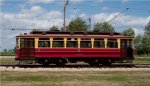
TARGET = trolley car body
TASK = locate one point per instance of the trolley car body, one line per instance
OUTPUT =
(68, 47)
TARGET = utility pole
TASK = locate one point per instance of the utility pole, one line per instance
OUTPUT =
(65, 5)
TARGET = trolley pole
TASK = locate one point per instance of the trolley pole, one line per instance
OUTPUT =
(65, 5)
(118, 15)
(89, 24)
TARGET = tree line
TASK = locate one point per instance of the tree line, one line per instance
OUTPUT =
(142, 42)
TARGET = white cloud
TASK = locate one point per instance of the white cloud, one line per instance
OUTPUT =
(83, 15)
(105, 8)
(138, 31)
(41, 1)
(53, 15)
(131, 20)
(36, 9)
(35, 16)
(100, 17)
(33, 9)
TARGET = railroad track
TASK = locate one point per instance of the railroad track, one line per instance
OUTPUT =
(77, 66)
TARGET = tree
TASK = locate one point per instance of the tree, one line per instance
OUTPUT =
(147, 30)
(77, 25)
(14, 49)
(5, 50)
(138, 44)
(146, 39)
(146, 45)
(103, 27)
(53, 28)
(128, 32)
(10, 50)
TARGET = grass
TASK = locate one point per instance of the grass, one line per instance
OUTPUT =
(144, 60)
(115, 78)
(7, 53)
(7, 61)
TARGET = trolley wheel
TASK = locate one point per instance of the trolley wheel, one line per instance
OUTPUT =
(60, 62)
(45, 64)
(106, 63)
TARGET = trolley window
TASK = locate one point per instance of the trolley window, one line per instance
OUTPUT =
(130, 43)
(112, 43)
(123, 43)
(126, 43)
(58, 42)
(72, 42)
(17, 42)
(44, 42)
(21, 43)
(99, 43)
(27, 43)
(85, 43)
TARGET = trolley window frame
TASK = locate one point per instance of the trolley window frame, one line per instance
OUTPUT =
(44, 43)
(73, 43)
(56, 41)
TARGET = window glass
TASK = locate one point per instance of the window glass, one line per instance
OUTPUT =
(123, 43)
(21, 43)
(72, 42)
(30, 43)
(58, 42)
(99, 43)
(112, 43)
(130, 43)
(85, 43)
(44, 42)
(17, 43)
(27, 43)
(126, 43)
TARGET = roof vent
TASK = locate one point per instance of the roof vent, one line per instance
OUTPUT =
(43, 33)
(85, 33)
(111, 34)
(71, 33)
(25, 33)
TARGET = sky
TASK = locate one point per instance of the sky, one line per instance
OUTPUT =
(43, 14)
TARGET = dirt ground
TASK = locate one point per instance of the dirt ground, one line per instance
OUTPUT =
(71, 69)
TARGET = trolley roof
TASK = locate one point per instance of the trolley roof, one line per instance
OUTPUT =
(46, 34)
